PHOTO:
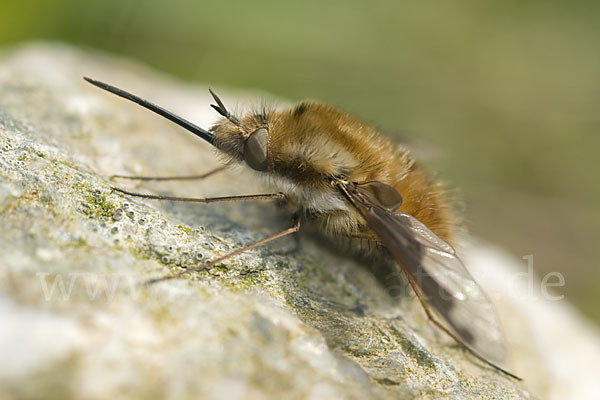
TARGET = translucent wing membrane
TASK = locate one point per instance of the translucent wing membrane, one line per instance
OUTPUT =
(438, 273)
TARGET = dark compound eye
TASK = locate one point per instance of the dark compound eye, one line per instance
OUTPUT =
(255, 150)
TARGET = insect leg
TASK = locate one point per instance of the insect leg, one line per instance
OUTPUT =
(265, 196)
(431, 317)
(295, 228)
(169, 178)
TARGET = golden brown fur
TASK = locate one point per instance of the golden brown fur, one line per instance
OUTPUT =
(312, 142)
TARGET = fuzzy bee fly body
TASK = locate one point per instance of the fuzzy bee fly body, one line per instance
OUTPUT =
(302, 149)
(340, 172)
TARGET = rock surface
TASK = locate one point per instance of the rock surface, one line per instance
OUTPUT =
(290, 320)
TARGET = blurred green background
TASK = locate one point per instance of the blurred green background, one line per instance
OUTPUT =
(502, 97)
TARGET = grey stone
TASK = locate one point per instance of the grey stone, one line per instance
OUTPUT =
(289, 320)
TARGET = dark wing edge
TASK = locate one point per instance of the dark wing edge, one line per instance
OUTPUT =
(439, 274)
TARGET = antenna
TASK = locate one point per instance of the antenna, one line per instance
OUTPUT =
(220, 108)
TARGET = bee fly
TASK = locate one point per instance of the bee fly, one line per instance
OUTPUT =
(356, 185)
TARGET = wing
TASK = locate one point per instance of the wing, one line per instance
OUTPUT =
(438, 273)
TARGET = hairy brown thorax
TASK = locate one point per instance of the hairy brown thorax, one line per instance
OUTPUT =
(312, 143)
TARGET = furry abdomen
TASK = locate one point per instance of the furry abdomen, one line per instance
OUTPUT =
(321, 142)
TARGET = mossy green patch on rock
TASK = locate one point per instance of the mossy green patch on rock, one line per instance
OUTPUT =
(185, 229)
(97, 204)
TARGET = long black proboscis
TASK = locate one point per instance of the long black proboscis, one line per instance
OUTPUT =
(195, 129)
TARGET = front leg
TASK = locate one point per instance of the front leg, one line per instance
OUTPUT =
(265, 196)
(170, 178)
